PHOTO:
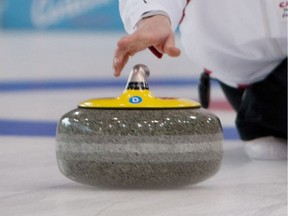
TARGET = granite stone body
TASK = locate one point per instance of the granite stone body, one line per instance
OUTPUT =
(139, 147)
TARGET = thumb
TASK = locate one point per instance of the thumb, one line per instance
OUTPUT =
(169, 47)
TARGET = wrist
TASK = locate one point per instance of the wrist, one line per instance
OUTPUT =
(150, 14)
(154, 13)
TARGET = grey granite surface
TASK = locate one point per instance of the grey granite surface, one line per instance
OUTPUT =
(139, 147)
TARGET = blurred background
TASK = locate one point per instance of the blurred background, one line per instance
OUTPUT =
(91, 15)
(57, 53)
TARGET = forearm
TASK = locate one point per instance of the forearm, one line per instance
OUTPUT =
(131, 11)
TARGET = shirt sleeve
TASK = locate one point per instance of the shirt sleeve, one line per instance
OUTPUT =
(132, 10)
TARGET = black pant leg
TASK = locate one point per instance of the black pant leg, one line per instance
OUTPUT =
(263, 109)
(234, 95)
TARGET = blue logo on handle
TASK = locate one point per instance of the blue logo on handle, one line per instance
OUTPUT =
(135, 100)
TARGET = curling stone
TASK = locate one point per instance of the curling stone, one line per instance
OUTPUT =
(138, 140)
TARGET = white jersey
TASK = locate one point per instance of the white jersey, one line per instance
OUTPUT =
(241, 42)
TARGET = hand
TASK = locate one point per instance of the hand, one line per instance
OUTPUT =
(154, 32)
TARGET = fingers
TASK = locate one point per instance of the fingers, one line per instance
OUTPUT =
(129, 45)
(119, 63)
(126, 47)
(154, 33)
(121, 57)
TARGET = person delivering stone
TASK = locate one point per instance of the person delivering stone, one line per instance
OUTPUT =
(243, 45)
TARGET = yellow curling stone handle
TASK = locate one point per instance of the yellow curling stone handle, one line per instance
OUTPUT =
(137, 95)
